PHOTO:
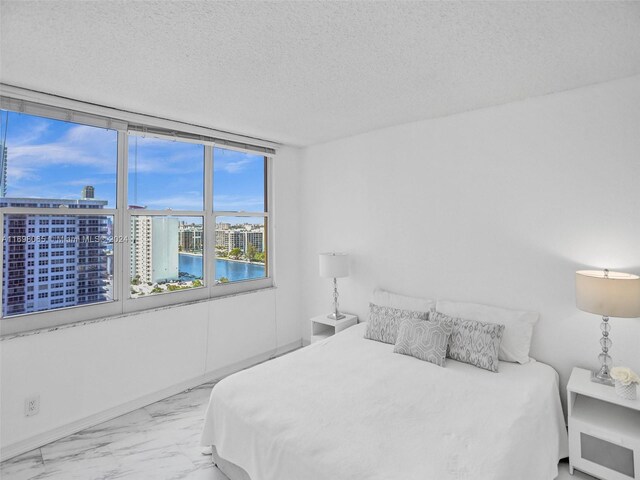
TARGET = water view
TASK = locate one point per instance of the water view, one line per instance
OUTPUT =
(191, 265)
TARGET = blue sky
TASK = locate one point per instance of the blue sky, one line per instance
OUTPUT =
(55, 159)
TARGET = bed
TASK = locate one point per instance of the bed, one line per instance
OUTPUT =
(350, 408)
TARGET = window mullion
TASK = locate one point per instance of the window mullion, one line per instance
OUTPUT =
(240, 214)
(166, 213)
(209, 250)
(121, 246)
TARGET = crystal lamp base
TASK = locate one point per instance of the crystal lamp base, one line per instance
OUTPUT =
(602, 378)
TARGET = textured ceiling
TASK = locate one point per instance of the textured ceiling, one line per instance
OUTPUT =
(306, 72)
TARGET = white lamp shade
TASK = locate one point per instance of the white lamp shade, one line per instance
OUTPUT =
(613, 295)
(334, 265)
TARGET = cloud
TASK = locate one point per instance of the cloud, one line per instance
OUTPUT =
(79, 146)
(233, 162)
(91, 181)
(237, 166)
(38, 127)
(18, 173)
(237, 203)
(164, 156)
(185, 201)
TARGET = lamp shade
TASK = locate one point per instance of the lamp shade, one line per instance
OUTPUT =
(611, 294)
(334, 265)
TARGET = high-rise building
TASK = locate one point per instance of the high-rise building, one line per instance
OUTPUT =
(154, 249)
(88, 192)
(53, 260)
(190, 237)
(241, 237)
(3, 170)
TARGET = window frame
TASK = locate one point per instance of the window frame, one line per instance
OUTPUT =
(121, 304)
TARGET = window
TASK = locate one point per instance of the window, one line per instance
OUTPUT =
(165, 174)
(239, 203)
(91, 253)
(240, 249)
(238, 181)
(54, 160)
(166, 252)
(164, 256)
(192, 224)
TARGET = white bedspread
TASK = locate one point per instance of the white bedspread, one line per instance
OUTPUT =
(350, 408)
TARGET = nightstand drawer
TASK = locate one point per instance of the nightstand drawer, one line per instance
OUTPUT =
(597, 448)
(604, 430)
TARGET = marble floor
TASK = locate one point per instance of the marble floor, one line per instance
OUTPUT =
(159, 442)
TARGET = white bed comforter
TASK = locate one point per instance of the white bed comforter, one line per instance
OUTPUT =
(350, 408)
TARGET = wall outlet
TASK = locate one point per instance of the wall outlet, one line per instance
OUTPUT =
(31, 405)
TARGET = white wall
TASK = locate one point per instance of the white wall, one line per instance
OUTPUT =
(500, 206)
(95, 371)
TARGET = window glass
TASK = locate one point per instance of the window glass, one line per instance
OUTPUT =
(166, 254)
(238, 181)
(241, 249)
(55, 261)
(45, 162)
(59, 258)
(165, 174)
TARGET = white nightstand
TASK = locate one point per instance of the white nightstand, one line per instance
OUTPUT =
(323, 327)
(604, 430)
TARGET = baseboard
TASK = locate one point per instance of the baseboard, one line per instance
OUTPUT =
(288, 348)
(44, 438)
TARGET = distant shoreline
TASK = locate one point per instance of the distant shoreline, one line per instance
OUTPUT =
(222, 258)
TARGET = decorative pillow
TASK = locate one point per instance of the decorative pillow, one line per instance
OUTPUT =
(384, 322)
(403, 302)
(473, 342)
(424, 340)
(516, 340)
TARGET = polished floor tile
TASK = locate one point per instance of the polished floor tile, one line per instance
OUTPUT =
(23, 467)
(160, 442)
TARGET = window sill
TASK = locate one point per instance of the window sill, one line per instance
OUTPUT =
(38, 331)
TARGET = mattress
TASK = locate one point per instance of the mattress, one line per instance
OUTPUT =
(350, 408)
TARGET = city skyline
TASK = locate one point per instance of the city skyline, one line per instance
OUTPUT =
(53, 260)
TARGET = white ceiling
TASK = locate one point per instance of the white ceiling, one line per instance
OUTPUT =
(306, 72)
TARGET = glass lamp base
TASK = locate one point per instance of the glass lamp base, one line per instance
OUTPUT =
(333, 316)
(602, 378)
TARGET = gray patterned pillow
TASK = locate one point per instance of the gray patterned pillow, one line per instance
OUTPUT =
(384, 322)
(424, 340)
(474, 342)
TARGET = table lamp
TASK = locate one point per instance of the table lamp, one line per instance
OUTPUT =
(610, 294)
(334, 265)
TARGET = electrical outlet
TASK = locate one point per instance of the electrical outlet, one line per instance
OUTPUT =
(31, 405)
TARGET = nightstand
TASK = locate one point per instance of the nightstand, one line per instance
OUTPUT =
(323, 327)
(604, 430)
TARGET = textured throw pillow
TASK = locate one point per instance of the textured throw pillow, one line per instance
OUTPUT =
(384, 322)
(424, 340)
(518, 325)
(473, 342)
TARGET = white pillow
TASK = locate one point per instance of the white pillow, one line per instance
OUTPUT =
(393, 300)
(516, 339)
